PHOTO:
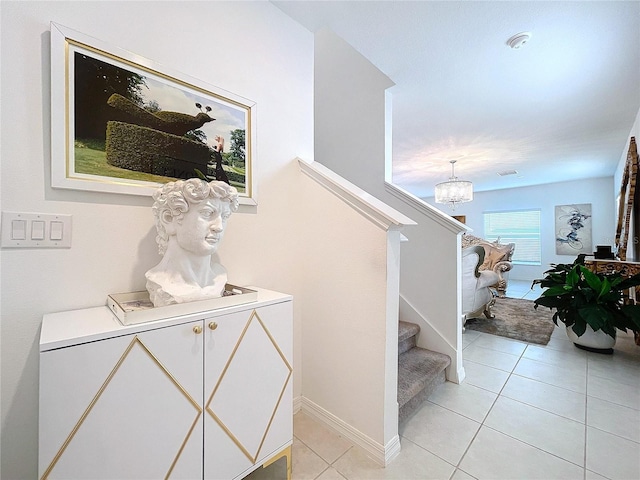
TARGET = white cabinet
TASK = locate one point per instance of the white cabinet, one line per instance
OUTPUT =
(206, 395)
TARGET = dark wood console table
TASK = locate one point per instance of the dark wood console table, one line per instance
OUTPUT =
(627, 269)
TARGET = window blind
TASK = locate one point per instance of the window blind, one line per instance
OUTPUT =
(521, 227)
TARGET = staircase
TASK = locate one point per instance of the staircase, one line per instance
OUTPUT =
(420, 371)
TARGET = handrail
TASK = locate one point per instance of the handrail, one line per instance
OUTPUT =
(375, 210)
(429, 211)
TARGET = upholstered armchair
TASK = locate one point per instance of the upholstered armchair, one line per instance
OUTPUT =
(477, 295)
(497, 258)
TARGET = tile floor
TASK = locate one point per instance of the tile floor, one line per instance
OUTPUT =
(523, 289)
(524, 411)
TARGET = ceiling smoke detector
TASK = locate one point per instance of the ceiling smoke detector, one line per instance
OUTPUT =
(519, 39)
(504, 173)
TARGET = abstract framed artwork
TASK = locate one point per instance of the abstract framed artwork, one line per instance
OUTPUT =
(123, 124)
(573, 229)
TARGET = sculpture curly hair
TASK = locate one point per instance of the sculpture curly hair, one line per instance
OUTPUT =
(172, 201)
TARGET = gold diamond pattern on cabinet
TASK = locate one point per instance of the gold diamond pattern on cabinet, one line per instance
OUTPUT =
(135, 347)
(244, 386)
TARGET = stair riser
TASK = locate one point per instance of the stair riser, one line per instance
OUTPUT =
(420, 371)
(407, 410)
(407, 330)
(406, 345)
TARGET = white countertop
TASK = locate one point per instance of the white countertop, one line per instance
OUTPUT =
(73, 327)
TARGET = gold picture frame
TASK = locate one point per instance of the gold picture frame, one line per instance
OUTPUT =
(628, 208)
(124, 124)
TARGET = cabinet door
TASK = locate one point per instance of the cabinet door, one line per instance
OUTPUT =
(128, 407)
(248, 389)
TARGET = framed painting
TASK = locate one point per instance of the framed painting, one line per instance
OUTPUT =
(573, 229)
(124, 124)
(628, 207)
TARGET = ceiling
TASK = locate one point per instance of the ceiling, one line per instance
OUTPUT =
(559, 108)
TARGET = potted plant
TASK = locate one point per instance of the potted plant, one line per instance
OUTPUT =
(591, 305)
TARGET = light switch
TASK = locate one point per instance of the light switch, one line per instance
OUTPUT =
(57, 230)
(18, 230)
(37, 230)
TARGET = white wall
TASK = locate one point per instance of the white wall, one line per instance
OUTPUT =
(345, 319)
(249, 48)
(350, 136)
(597, 192)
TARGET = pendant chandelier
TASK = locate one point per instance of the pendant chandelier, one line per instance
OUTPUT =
(454, 191)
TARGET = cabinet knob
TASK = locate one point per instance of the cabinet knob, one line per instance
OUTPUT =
(197, 329)
(213, 325)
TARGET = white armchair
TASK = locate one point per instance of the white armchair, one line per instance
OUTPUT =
(477, 297)
(497, 257)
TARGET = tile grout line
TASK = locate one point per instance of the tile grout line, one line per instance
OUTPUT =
(536, 447)
(586, 416)
(510, 373)
(584, 469)
(584, 466)
(585, 423)
(331, 465)
(315, 453)
(430, 452)
(488, 412)
(613, 434)
(584, 393)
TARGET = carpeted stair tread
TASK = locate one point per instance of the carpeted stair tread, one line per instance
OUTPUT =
(406, 330)
(420, 371)
(416, 368)
(407, 336)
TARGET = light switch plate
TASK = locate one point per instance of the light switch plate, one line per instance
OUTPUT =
(34, 230)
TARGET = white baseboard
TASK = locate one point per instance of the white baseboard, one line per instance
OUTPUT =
(297, 404)
(381, 454)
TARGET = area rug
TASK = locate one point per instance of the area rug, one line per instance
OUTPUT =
(516, 318)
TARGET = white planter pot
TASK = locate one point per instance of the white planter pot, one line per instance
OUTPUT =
(593, 341)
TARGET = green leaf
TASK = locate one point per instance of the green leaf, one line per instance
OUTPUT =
(632, 314)
(549, 302)
(596, 316)
(580, 259)
(591, 278)
(606, 287)
(573, 278)
(557, 290)
(583, 298)
(579, 328)
(625, 283)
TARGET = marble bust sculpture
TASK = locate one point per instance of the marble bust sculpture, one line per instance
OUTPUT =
(190, 216)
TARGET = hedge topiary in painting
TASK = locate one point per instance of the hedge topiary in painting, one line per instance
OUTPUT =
(151, 151)
(171, 122)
